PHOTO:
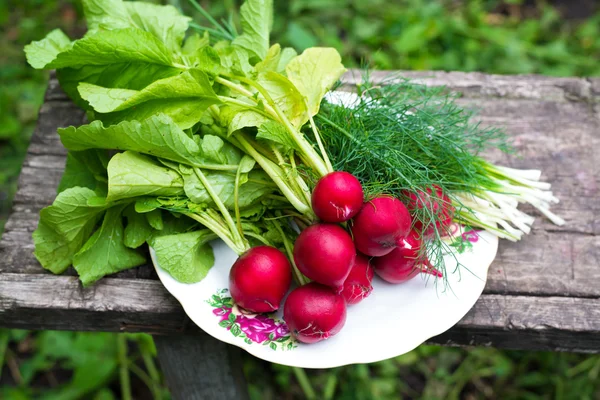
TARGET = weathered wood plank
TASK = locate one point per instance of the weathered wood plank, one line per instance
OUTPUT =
(199, 368)
(130, 305)
(479, 85)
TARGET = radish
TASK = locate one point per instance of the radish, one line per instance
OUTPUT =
(337, 197)
(379, 225)
(313, 312)
(439, 205)
(404, 262)
(260, 278)
(325, 253)
(358, 284)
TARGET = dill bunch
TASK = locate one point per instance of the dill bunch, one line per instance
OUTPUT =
(401, 138)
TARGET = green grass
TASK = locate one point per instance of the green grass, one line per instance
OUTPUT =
(488, 36)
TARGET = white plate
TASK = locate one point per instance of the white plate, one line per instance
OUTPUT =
(392, 321)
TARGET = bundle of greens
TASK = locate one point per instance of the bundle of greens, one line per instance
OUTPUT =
(205, 133)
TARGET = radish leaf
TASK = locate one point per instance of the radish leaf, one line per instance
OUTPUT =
(131, 174)
(64, 227)
(157, 136)
(285, 95)
(184, 98)
(164, 22)
(187, 257)
(138, 230)
(314, 72)
(104, 253)
(42, 52)
(275, 132)
(256, 20)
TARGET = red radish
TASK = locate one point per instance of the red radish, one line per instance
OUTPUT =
(403, 263)
(358, 284)
(337, 197)
(438, 203)
(325, 253)
(379, 225)
(313, 312)
(260, 278)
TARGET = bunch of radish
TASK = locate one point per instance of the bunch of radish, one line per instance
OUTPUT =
(340, 263)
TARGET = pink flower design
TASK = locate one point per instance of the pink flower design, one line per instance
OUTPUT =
(471, 236)
(260, 327)
(222, 312)
(257, 327)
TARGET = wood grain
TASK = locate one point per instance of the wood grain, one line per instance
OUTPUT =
(200, 368)
(542, 293)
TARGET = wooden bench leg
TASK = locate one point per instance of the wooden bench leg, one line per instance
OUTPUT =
(200, 367)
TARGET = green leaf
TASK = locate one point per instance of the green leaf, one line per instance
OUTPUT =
(222, 183)
(253, 189)
(275, 132)
(157, 136)
(42, 52)
(247, 163)
(254, 186)
(231, 317)
(64, 227)
(187, 257)
(131, 75)
(85, 169)
(114, 47)
(194, 43)
(287, 54)
(276, 59)
(105, 14)
(155, 219)
(138, 230)
(314, 72)
(256, 17)
(184, 98)
(164, 22)
(271, 60)
(146, 204)
(131, 174)
(235, 328)
(273, 346)
(174, 224)
(244, 119)
(126, 58)
(286, 96)
(234, 59)
(224, 324)
(216, 150)
(207, 59)
(105, 253)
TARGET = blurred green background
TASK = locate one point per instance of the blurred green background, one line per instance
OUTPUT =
(559, 38)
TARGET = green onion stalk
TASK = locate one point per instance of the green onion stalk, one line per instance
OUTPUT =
(495, 210)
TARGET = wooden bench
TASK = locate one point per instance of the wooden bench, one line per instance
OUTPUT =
(542, 293)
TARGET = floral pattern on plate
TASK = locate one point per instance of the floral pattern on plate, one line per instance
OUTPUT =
(252, 328)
